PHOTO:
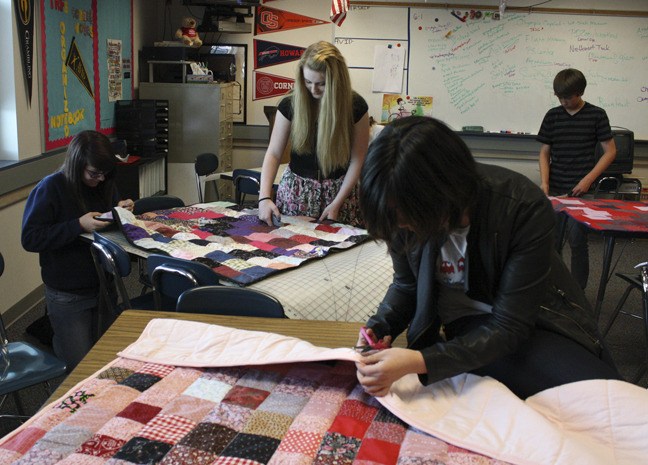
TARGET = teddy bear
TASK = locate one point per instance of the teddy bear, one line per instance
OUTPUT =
(187, 33)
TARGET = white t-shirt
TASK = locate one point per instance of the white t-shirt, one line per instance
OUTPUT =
(452, 276)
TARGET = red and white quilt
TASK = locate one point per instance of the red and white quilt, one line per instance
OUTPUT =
(192, 393)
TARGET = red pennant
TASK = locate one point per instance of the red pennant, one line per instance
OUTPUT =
(268, 85)
(269, 20)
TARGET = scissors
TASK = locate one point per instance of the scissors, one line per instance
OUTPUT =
(370, 344)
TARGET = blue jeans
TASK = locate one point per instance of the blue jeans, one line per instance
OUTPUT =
(75, 321)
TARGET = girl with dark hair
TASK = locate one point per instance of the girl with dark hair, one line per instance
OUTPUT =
(328, 127)
(477, 283)
(59, 209)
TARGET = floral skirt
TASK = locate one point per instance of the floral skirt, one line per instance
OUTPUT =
(298, 196)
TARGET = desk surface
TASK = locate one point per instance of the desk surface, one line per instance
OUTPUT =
(130, 324)
(230, 176)
(620, 218)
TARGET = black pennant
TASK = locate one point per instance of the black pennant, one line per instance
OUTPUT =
(25, 26)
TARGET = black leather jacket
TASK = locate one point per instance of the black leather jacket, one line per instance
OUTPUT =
(512, 265)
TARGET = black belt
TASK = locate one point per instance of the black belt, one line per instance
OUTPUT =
(317, 174)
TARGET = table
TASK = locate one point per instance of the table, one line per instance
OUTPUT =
(130, 324)
(611, 219)
(229, 175)
(346, 285)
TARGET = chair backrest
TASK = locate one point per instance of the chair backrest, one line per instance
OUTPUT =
(110, 257)
(156, 202)
(607, 188)
(205, 164)
(226, 300)
(172, 276)
(246, 182)
(624, 160)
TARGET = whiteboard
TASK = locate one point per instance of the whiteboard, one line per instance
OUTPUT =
(365, 28)
(499, 73)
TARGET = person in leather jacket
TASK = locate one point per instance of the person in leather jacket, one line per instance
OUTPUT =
(477, 286)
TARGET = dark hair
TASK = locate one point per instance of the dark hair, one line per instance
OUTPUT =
(420, 172)
(94, 149)
(569, 82)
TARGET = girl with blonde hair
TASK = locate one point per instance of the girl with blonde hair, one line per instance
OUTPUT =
(328, 127)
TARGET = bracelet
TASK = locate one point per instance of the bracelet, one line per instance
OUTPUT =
(264, 198)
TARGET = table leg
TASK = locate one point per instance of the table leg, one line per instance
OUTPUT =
(607, 260)
(562, 230)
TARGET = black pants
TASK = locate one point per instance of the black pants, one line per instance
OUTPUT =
(546, 360)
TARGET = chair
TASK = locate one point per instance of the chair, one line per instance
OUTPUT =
(225, 300)
(172, 276)
(111, 259)
(635, 281)
(246, 182)
(156, 202)
(205, 164)
(607, 188)
(23, 365)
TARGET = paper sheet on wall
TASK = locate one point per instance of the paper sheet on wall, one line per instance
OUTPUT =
(388, 69)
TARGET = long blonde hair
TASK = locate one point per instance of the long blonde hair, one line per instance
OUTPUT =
(333, 115)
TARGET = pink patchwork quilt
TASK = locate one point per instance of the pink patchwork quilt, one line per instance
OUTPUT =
(234, 242)
(192, 393)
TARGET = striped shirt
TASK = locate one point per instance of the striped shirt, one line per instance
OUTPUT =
(573, 139)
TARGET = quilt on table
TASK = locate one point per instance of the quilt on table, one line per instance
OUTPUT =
(234, 242)
(165, 401)
(136, 412)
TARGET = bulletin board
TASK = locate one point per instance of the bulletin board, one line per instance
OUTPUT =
(87, 57)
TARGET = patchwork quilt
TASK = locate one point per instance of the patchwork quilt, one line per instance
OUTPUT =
(234, 242)
(193, 393)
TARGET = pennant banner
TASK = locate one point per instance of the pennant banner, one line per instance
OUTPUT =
(339, 10)
(268, 85)
(25, 26)
(269, 20)
(273, 53)
(75, 63)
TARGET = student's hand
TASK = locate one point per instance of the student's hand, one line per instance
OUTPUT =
(379, 370)
(331, 212)
(581, 188)
(89, 224)
(267, 208)
(128, 204)
(545, 188)
(387, 340)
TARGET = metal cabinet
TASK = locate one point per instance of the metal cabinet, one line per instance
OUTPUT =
(200, 120)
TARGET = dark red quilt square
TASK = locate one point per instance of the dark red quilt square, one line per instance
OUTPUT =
(227, 271)
(374, 450)
(356, 409)
(348, 426)
(137, 411)
(102, 446)
(246, 396)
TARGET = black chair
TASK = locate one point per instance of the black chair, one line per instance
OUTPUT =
(205, 164)
(23, 365)
(635, 281)
(112, 260)
(172, 276)
(246, 182)
(156, 202)
(607, 188)
(226, 300)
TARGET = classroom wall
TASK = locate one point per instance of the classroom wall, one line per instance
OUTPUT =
(20, 284)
